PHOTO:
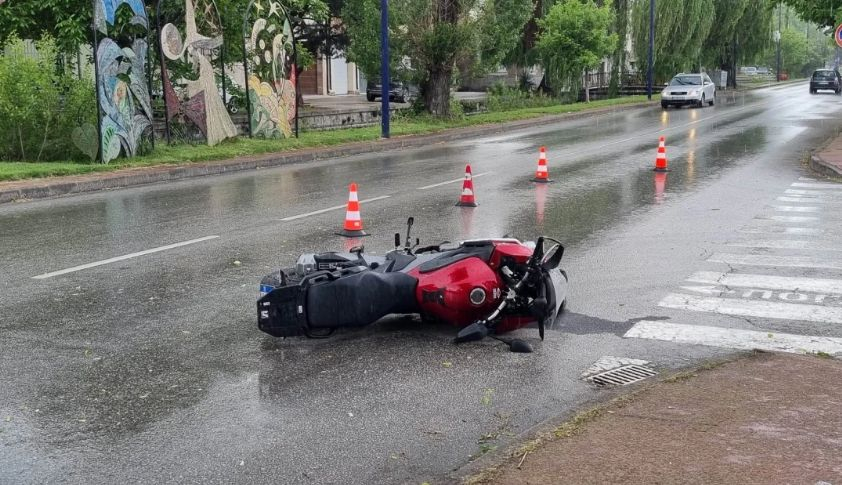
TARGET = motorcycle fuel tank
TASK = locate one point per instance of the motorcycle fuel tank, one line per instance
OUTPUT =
(459, 293)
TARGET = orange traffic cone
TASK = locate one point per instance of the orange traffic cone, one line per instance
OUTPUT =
(353, 223)
(661, 158)
(467, 199)
(542, 175)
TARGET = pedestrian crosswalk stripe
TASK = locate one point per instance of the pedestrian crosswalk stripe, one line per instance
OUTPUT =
(794, 218)
(753, 308)
(804, 200)
(770, 282)
(797, 208)
(806, 192)
(795, 231)
(734, 338)
(806, 244)
(808, 185)
(768, 260)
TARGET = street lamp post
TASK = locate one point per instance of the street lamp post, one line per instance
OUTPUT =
(651, 49)
(385, 82)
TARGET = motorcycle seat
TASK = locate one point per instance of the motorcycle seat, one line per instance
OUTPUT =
(360, 298)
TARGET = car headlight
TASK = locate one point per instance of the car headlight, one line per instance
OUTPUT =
(694, 92)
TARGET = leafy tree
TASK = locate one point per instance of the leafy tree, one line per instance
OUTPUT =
(690, 34)
(681, 27)
(67, 22)
(39, 107)
(574, 37)
(824, 13)
(429, 38)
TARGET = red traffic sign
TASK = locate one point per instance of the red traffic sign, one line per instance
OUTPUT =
(838, 35)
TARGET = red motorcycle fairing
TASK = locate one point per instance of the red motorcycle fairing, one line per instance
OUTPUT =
(445, 293)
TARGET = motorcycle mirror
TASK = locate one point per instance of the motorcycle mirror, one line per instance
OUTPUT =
(520, 347)
(397, 239)
(474, 331)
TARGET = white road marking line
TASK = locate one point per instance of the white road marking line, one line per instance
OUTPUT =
(794, 218)
(336, 207)
(753, 308)
(790, 244)
(793, 231)
(732, 338)
(781, 261)
(452, 181)
(794, 208)
(802, 199)
(805, 192)
(802, 230)
(122, 258)
(807, 185)
(784, 283)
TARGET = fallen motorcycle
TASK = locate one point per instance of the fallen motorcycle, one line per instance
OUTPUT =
(485, 286)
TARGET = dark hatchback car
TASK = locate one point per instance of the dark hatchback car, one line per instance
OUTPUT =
(398, 91)
(826, 79)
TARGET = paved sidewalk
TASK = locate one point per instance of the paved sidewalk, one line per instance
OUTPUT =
(767, 418)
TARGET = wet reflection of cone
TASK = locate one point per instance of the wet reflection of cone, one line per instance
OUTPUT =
(540, 201)
(542, 174)
(467, 199)
(660, 185)
(353, 226)
(467, 216)
(661, 158)
(350, 243)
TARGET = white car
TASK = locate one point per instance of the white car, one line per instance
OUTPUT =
(689, 89)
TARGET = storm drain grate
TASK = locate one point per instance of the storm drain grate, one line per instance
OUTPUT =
(622, 376)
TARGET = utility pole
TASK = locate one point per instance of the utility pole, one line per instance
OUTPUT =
(385, 82)
(651, 49)
(778, 35)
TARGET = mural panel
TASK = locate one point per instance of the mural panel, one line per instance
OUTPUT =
(270, 70)
(191, 61)
(125, 109)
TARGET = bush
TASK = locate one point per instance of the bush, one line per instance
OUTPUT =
(504, 98)
(40, 106)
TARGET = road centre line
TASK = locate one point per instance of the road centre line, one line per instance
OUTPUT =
(753, 308)
(122, 258)
(734, 338)
(767, 260)
(336, 207)
(452, 181)
(769, 282)
(790, 244)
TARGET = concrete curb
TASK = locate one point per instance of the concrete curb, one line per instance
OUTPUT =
(819, 165)
(130, 177)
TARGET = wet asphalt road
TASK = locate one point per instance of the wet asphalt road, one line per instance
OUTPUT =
(151, 369)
